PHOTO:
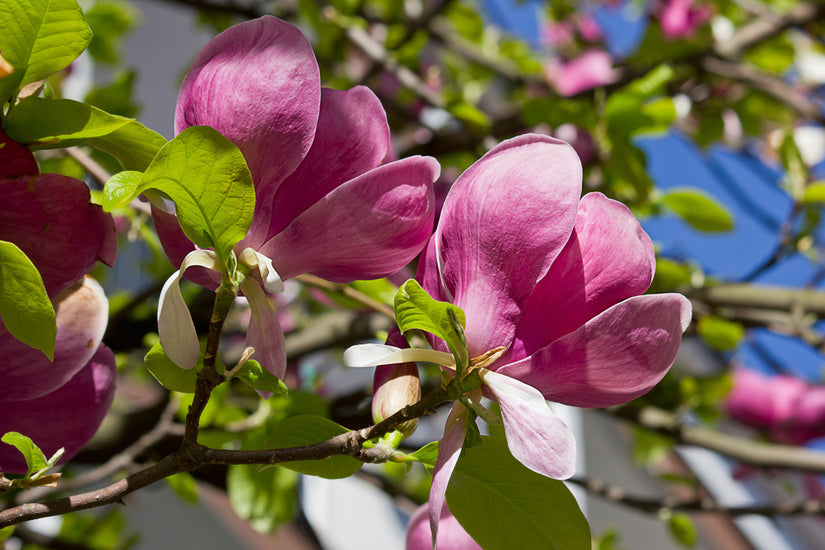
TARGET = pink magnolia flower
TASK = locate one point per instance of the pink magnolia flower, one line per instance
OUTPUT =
(57, 403)
(590, 70)
(451, 535)
(552, 283)
(788, 409)
(680, 18)
(325, 203)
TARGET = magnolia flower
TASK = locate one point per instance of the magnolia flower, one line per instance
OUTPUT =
(324, 204)
(680, 18)
(451, 535)
(550, 287)
(788, 409)
(590, 70)
(57, 403)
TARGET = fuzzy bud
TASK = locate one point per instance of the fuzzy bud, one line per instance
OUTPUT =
(395, 387)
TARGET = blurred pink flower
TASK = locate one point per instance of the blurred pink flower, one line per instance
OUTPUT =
(681, 19)
(592, 69)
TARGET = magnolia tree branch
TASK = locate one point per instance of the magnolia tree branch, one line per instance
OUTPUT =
(760, 296)
(763, 455)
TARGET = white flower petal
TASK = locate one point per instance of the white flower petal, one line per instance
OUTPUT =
(373, 355)
(269, 277)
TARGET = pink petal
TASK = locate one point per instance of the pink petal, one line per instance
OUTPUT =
(535, 435)
(367, 228)
(15, 158)
(352, 138)
(449, 449)
(451, 535)
(614, 358)
(258, 84)
(264, 332)
(504, 222)
(590, 70)
(49, 217)
(761, 401)
(609, 258)
(82, 314)
(67, 417)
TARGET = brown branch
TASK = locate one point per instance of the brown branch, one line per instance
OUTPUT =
(760, 296)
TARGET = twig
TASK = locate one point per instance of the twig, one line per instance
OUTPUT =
(349, 292)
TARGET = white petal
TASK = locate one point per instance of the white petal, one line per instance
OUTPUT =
(535, 435)
(175, 326)
(271, 280)
(373, 355)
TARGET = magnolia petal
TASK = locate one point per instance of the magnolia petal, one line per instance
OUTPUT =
(352, 138)
(263, 267)
(449, 449)
(258, 84)
(82, 314)
(15, 158)
(67, 417)
(175, 326)
(451, 535)
(373, 355)
(615, 357)
(367, 228)
(264, 332)
(535, 435)
(608, 258)
(504, 222)
(50, 218)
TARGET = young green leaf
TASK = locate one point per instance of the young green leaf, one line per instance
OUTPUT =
(719, 333)
(56, 123)
(6, 532)
(183, 484)
(39, 38)
(264, 498)
(170, 376)
(415, 309)
(35, 459)
(133, 145)
(297, 431)
(207, 177)
(682, 529)
(258, 378)
(699, 210)
(25, 307)
(503, 505)
(426, 454)
(814, 193)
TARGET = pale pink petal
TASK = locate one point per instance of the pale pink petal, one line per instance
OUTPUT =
(504, 222)
(451, 535)
(614, 358)
(50, 218)
(67, 417)
(367, 228)
(352, 138)
(264, 332)
(535, 435)
(761, 401)
(449, 449)
(609, 258)
(592, 69)
(258, 84)
(82, 314)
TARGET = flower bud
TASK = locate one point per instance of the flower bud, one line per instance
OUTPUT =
(395, 387)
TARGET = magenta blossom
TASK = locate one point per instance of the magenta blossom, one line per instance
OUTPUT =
(680, 18)
(325, 203)
(550, 285)
(57, 403)
(788, 409)
(451, 535)
(590, 70)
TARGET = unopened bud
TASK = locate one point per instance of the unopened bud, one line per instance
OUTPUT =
(395, 387)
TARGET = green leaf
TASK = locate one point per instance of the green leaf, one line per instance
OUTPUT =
(207, 177)
(116, 97)
(814, 193)
(669, 275)
(25, 307)
(258, 378)
(699, 210)
(297, 431)
(110, 21)
(39, 38)
(682, 529)
(415, 309)
(35, 459)
(184, 486)
(503, 505)
(6, 532)
(170, 376)
(133, 145)
(719, 333)
(52, 123)
(265, 498)
(426, 454)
